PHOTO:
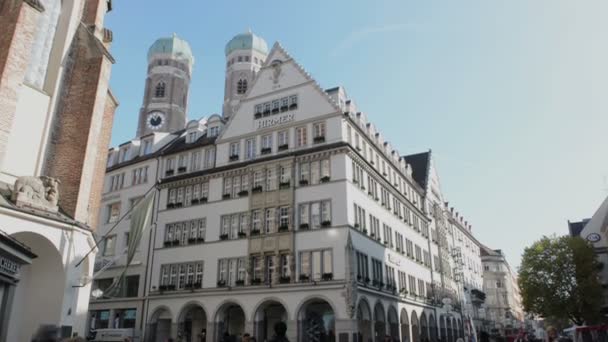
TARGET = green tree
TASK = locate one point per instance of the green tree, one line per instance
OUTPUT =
(558, 279)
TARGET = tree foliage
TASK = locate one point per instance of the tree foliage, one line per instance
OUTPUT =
(558, 278)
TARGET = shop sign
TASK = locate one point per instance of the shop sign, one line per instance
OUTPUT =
(274, 121)
(8, 266)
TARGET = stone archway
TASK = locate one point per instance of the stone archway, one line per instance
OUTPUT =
(159, 325)
(393, 323)
(229, 320)
(379, 322)
(39, 295)
(433, 327)
(269, 313)
(316, 321)
(364, 321)
(192, 323)
(424, 328)
(405, 326)
(415, 327)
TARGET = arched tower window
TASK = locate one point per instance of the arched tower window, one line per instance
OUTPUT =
(160, 89)
(241, 86)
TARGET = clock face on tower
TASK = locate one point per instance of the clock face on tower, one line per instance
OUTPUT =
(155, 120)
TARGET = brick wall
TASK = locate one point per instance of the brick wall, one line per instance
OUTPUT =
(17, 32)
(102, 159)
(80, 134)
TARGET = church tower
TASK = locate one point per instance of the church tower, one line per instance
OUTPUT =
(165, 101)
(245, 54)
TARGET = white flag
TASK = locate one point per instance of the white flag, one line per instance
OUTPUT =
(140, 220)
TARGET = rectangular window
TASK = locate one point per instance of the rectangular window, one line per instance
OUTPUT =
(304, 173)
(209, 158)
(234, 151)
(269, 221)
(318, 131)
(255, 220)
(271, 180)
(316, 264)
(315, 172)
(267, 143)
(284, 174)
(258, 179)
(256, 269)
(250, 148)
(362, 267)
(113, 212)
(109, 245)
(283, 137)
(283, 217)
(304, 216)
(301, 136)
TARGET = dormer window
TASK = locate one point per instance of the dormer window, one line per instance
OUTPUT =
(214, 131)
(192, 136)
(122, 155)
(147, 147)
(160, 89)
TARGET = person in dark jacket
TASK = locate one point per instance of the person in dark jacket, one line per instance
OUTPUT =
(280, 330)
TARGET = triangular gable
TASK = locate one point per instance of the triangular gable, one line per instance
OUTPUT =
(280, 76)
(595, 230)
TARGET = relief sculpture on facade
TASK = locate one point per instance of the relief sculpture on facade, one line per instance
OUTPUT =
(36, 192)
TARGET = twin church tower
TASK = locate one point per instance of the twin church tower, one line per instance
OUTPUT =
(170, 63)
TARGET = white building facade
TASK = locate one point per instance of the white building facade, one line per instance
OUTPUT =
(289, 207)
(503, 306)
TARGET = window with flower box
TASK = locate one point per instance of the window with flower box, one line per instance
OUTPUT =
(301, 136)
(360, 220)
(181, 276)
(318, 132)
(284, 218)
(402, 282)
(314, 172)
(316, 264)
(388, 235)
(377, 278)
(314, 215)
(266, 144)
(283, 140)
(284, 177)
(256, 223)
(374, 223)
(234, 151)
(409, 248)
(412, 284)
(231, 272)
(390, 278)
(418, 254)
(362, 268)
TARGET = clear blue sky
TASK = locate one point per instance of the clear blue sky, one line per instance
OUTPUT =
(509, 95)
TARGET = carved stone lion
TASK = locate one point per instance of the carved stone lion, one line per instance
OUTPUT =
(37, 192)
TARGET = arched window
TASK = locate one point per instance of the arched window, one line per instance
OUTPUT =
(241, 87)
(160, 89)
